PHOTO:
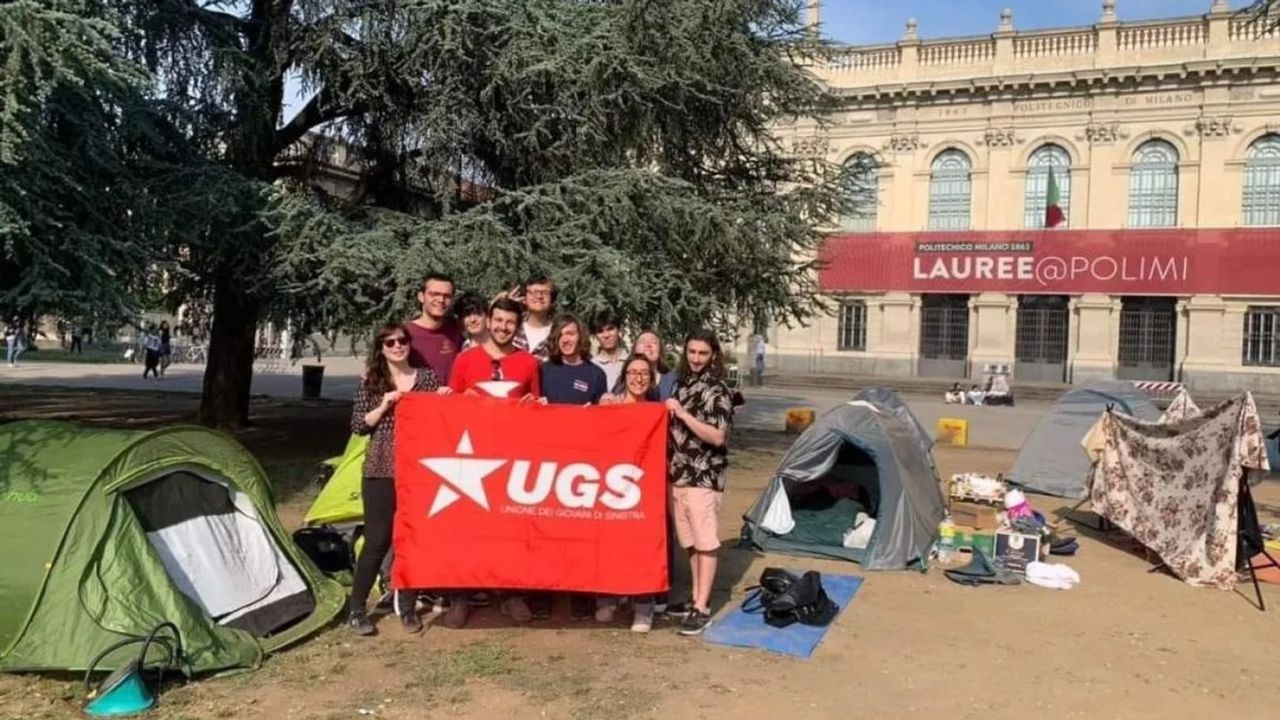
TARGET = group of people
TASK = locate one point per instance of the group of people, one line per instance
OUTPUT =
(157, 350)
(516, 346)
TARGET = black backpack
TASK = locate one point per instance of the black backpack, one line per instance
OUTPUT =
(785, 599)
(326, 547)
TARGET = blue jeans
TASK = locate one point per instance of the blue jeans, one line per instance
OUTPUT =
(15, 349)
(759, 367)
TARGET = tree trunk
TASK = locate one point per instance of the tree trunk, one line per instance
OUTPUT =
(228, 374)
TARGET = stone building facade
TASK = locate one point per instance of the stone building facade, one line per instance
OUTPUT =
(1162, 140)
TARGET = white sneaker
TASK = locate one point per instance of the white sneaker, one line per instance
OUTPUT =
(643, 621)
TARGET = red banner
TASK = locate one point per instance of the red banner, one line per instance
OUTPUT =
(1127, 262)
(492, 495)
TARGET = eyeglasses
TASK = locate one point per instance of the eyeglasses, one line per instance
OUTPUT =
(638, 373)
(538, 294)
(394, 341)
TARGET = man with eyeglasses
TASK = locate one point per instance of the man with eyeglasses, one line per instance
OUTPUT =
(539, 297)
(434, 336)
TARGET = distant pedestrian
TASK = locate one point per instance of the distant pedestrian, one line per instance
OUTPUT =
(762, 347)
(151, 353)
(13, 340)
(166, 347)
(76, 346)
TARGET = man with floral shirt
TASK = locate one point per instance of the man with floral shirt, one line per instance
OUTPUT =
(698, 460)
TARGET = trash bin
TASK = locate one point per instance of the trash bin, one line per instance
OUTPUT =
(312, 381)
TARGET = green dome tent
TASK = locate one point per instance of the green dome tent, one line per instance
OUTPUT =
(110, 533)
(339, 502)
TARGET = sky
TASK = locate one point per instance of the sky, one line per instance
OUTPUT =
(877, 21)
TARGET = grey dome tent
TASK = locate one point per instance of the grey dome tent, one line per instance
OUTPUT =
(868, 455)
(889, 400)
(1052, 460)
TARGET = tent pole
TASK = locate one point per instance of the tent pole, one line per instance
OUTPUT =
(1253, 575)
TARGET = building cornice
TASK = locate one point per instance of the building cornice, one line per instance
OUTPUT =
(1021, 86)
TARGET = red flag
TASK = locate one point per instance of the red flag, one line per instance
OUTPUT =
(494, 495)
(1053, 215)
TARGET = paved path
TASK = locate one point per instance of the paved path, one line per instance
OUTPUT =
(995, 427)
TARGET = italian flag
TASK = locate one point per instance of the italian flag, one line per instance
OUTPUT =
(1053, 216)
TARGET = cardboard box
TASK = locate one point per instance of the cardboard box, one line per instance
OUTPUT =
(1015, 550)
(975, 515)
(968, 538)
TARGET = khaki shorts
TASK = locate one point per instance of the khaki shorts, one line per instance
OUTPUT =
(697, 517)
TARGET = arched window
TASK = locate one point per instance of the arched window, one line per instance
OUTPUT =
(1153, 185)
(1045, 160)
(950, 191)
(1262, 182)
(860, 193)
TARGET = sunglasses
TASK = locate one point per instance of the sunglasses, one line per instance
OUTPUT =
(394, 341)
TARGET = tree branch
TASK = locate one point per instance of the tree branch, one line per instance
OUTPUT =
(221, 18)
(320, 109)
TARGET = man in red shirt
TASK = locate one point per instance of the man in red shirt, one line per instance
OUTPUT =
(434, 337)
(497, 367)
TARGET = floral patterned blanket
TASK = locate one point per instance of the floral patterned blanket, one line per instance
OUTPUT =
(1182, 408)
(1173, 486)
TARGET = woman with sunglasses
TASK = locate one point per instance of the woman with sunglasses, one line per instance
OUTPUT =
(387, 378)
(638, 384)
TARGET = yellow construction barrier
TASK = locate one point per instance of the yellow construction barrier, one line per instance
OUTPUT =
(953, 431)
(799, 419)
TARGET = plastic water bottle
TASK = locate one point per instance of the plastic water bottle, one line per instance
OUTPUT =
(946, 540)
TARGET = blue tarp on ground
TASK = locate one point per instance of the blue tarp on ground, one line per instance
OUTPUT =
(740, 629)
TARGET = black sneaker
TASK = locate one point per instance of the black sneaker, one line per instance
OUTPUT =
(540, 606)
(695, 623)
(581, 607)
(677, 611)
(358, 623)
(410, 622)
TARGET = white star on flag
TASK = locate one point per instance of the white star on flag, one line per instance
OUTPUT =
(461, 474)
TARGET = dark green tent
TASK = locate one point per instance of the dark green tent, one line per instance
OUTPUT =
(109, 533)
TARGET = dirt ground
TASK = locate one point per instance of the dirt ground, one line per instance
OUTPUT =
(1124, 644)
